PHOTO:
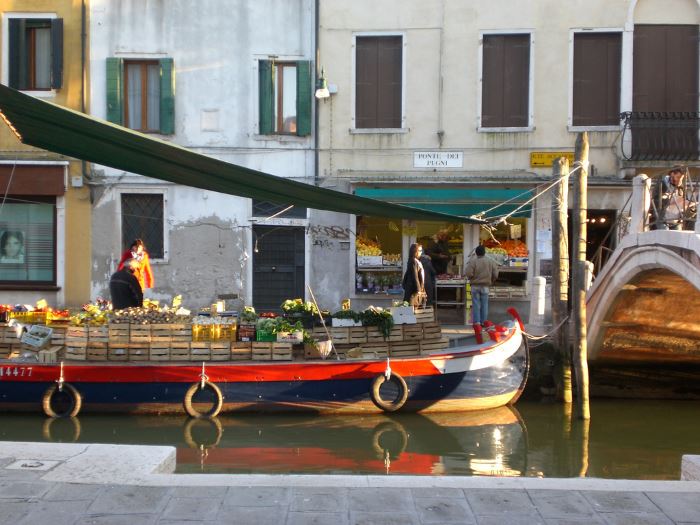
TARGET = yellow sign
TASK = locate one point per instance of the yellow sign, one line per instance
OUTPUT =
(544, 159)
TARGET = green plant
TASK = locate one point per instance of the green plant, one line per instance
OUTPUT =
(382, 319)
(348, 314)
(298, 306)
(248, 315)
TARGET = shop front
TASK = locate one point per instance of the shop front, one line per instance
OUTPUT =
(381, 245)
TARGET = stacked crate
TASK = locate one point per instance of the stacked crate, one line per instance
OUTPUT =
(76, 342)
(118, 346)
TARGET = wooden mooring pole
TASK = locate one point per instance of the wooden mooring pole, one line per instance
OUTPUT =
(578, 303)
(560, 275)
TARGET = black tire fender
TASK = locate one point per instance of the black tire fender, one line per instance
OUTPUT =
(76, 401)
(192, 390)
(393, 405)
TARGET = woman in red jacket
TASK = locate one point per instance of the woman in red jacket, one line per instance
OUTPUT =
(143, 271)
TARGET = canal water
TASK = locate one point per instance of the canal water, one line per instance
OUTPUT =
(624, 440)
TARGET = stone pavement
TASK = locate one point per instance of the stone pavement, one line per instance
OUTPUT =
(81, 484)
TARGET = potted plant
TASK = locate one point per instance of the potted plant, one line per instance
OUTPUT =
(304, 311)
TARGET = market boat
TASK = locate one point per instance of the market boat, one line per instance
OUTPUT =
(414, 375)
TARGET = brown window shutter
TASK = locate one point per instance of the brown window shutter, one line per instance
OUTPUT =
(596, 89)
(505, 81)
(378, 63)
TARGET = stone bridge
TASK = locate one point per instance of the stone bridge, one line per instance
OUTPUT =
(643, 311)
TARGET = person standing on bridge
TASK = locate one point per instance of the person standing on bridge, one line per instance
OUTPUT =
(674, 204)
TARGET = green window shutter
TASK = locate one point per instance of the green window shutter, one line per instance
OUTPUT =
(18, 53)
(304, 97)
(115, 71)
(56, 53)
(266, 97)
(167, 96)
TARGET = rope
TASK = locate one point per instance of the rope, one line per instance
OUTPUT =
(541, 337)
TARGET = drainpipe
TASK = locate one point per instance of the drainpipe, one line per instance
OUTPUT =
(83, 42)
(316, 105)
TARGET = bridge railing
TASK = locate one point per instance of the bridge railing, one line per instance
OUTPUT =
(650, 212)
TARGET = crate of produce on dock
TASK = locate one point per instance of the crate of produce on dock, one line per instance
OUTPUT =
(220, 351)
(8, 335)
(117, 351)
(424, 315)
(374, 350)
(97, 351)
(58, 337)
(76, 351)
(261, 351)
(290, 337)
(98, 333)
(179, 351)
(375, 335)
(413, 332)
(140, 333)
(404, 349)
(138, 351)
(50, 355)
(281, 351)
(339, 335)
(118, 333)
(159, 352)
(180, 332)
(241, 350)
(161, 333)
(432, 331)
(436, 345)
(200, 351)
(76, 334)
(5, 350)
(357, 335)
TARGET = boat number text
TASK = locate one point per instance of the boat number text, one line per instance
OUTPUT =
(15, 371)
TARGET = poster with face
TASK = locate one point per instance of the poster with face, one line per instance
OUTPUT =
(12, 247)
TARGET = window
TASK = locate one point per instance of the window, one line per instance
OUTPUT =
(35, 53)
(142, 218)
(268, 209)
(596, 89)
(141, 94)
(378, 82)
(505, 90)
(285, 97)
(28, 240)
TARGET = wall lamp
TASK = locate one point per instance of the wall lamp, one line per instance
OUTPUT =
(323, 88)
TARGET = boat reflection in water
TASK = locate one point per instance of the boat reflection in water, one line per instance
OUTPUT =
(488, 443)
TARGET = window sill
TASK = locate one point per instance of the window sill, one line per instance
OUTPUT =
(49, 93)
(526, 129)
(28, 287)
(370, 131)
(574, 129)
(282, 138)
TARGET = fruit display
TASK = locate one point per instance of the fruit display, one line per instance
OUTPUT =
(511, 248)
(366, 246)
(392, 259)
(151, 315)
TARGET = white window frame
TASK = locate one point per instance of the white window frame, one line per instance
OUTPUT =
(531, 86)
(570, 117)
(353, 80)
(44, 93)
(154, 190)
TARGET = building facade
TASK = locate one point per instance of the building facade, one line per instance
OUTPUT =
(462, 107)
(45, 211)
(231, 80)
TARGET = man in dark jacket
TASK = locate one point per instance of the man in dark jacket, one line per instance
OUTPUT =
(124, 287)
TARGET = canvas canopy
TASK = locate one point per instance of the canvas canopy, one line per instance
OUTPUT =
(62, 130)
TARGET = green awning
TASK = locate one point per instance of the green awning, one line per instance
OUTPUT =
(496, 202)
(62, 130)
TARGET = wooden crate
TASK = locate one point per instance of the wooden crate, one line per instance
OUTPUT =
(261, 351)
(180, 332)
(220, 351)
(246, 332)
(140, 333)
(139, 351)
(424, 315)
(97, 351)
(50, 355)
(200, 351)
(339, 335)
(412, 332)
(374, 335)
(117, 351)
(58, 336)
(76, 335)
(432, 331)
(159, 352)
(76, 351)
(241, 350)
(5, 350)
(8, 335)
(375, 350)
(357, 335)
(161, 333)
(98, 334)
(281, 351)
(435, 345)
(179, 351)
(118, 332)
(404, 349)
